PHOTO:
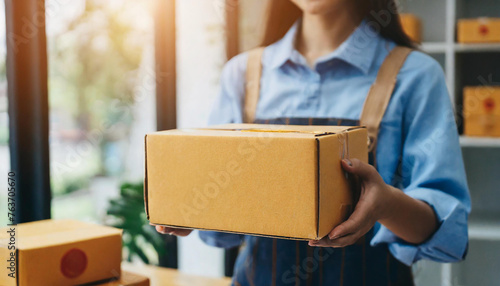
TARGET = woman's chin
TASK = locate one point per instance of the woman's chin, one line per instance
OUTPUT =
(317, 8)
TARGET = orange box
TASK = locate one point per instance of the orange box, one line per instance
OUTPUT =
(480, 30)
(127, 279)
(412, 26)
(60, 252)
(270, 180)
(482, 111)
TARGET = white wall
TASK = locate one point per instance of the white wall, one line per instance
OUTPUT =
(201, 56)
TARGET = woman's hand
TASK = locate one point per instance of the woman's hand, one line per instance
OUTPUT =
(410, 219)
(375, 199)
(172, 231)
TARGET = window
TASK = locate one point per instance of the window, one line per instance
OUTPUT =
(4, 118)
(101, 99)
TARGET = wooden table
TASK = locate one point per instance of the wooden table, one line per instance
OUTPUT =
(160, 276)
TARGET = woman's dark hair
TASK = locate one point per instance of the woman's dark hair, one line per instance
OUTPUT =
(281, 14)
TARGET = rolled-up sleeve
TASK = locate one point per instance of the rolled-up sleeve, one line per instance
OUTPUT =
(431, 169)
(227, 109)
(221, 239)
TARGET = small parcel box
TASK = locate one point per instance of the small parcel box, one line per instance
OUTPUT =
(482, 111)
(59, 252)
(271, 180)
(480, 30)
(412, 26)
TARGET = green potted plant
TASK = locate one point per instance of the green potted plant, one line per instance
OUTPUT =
(140, 239)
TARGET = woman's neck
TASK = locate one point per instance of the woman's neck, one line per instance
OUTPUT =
(320, 35)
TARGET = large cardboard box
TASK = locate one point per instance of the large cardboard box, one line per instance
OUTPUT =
(482, 111)
(271, 180)
(412, 26)
(480, 30)
(60, 252)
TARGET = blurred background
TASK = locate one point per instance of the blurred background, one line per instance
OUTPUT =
(118, 69)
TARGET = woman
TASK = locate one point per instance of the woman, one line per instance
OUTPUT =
(319, 66)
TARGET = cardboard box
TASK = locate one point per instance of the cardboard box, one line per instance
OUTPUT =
(271, 180)
(412, 26)
(61, 252)
(482, 111)
(127, 279)
(481, 30)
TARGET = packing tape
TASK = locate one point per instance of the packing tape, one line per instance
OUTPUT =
(285, 131)
(344, 148)
(344, 145)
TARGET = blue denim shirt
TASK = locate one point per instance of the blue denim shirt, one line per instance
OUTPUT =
(418, 147)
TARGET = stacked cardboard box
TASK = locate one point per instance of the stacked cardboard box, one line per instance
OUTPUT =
(59, 252)
(412, 26)
(480, 30)
(482, 111)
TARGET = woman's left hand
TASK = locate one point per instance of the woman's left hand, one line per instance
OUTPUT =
(374, 201)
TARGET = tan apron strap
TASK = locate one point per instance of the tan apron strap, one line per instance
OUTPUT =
(252, 87)
(381, 91)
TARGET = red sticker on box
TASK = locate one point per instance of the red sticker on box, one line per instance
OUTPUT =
(484, 30)
(73, 263)
(489, 104)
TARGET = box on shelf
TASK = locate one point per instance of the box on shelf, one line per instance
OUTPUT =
(60, 252)
(482, 111)
(480, 30)
(127, 279)
(412, 26)
(270, 180)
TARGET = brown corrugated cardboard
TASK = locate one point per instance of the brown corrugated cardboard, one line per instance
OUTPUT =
(482, 111)
(271, 180)
(412, 26)
(480, 30)
(61, 252)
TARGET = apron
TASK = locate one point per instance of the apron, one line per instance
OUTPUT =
(272, 261)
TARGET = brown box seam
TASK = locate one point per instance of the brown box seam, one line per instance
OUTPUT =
(146, 201)
(235, 232)
(317, 187)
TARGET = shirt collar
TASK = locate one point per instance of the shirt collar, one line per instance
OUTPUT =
(359, 49)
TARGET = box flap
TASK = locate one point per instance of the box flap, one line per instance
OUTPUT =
(314, 128)
(47, 233)
(246, 130)
(277, 133)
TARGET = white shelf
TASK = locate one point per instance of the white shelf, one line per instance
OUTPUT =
(480, 142)
(434, 47)
(484, 230)
(441, 47)
(463, 48)
(439, 19)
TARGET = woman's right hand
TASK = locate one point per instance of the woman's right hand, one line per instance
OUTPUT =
(172, 231)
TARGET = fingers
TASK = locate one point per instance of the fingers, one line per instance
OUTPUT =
(338, 242)
(173, 231)
(365, 171)
(348, 227)
(348, 232)
(360, 220)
